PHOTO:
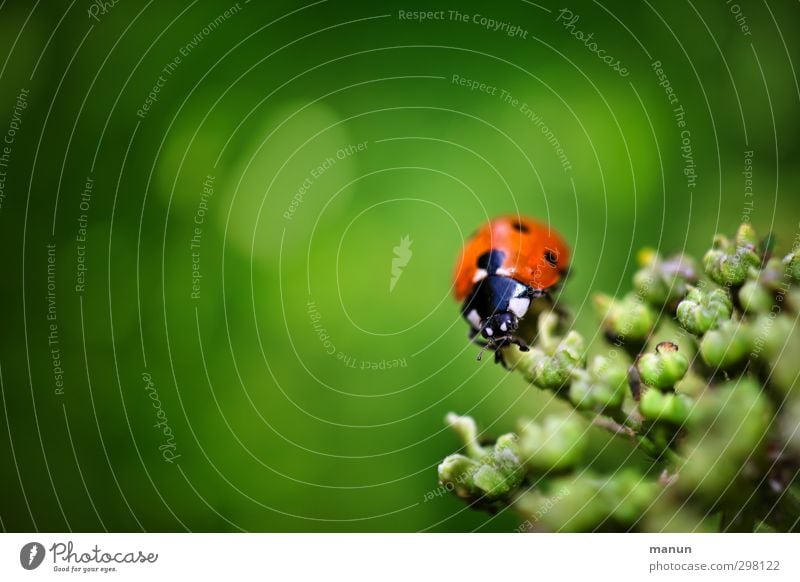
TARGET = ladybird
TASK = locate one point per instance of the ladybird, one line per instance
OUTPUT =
(503, 267)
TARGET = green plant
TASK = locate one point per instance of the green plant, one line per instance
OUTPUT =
(715, 408)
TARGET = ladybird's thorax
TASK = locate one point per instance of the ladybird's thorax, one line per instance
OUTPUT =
(496, 295)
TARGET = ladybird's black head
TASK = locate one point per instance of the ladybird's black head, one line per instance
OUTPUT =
(498, 328)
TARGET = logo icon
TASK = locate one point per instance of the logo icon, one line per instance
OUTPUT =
(31, 555)
(402, 255)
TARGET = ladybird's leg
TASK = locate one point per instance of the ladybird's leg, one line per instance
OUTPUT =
(523, 346)
(486, 346)
(500, 359)
(478, 342)
(536, 293)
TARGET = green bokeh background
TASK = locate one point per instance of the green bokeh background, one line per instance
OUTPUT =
(274, 432)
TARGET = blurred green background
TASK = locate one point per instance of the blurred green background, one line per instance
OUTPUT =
(300, 391)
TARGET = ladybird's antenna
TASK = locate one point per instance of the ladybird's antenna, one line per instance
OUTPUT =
(484, 347)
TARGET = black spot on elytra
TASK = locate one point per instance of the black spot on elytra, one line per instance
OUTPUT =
(551, 257)
(519, 227)
(491, 260)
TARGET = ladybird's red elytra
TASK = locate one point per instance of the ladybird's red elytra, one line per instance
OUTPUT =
(506, 264)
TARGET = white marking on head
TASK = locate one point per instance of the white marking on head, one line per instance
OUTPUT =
(480, 274)
(504, 272)
(474, 319)
(503, 326)
(489, 331)
(519, 306)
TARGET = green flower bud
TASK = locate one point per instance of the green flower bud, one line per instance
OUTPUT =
(495, 473)
(726, 426)
(471, 479)
(755, 298)
(548, 376)
(602, 386)
(692, 385)
(551, 362)
(492, 482)
(647, 257)
(649, 285)
(670, 514)
(630, 318)
(580, 390)
(467, 430)
(571, 351)
(555, 444)
(666, 406)
(787, 425)
(728, 263)
(723, 270)
(582, 502)
(682, 269)
(662, 282)
(628, 494)
(524, 362)
(770, 334)
(702, 310)
(554, 372)
(726, 346)
(456, 472)
(793, 299)
(778, 349)
(663, 368)
(791, 264)
(746, 236)
(570, 504)
(772, 276)
(502, 470)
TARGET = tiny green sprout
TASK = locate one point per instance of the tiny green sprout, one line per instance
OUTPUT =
(793, 299)
(629, 494)
(570, 503)
(728, 263)
(754, 298)
(554, 372)
(726, 428)
(771, 335)
(774, 276)
(555, 444)
(666, 406)
(728, 345)
(663, 368)
(792, 265)
(630, 319)
(703, 309)
(662, 282)
(467, 430)
(502, 471)
(603, 385)
(550, 367)
(649, 284)
(488, 473)
(746, 237)
(456, 472)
